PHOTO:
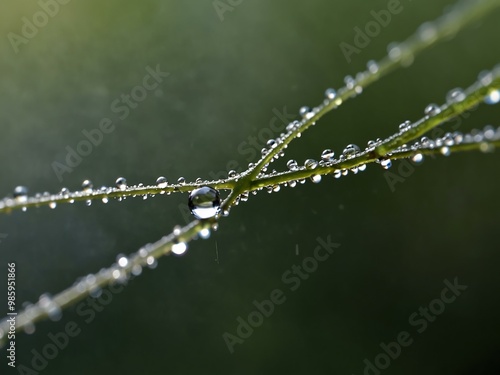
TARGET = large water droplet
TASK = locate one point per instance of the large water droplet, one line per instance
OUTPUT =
(204, 202)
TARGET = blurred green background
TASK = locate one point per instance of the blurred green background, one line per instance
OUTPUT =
(227, 75)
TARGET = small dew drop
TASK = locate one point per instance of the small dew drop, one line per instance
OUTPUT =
(29, 328)
(292, 165)
(204, 234)
(445, 151)
(458, 137)
(486, 147)
(151, 262)
(122, 261)
(327, 155)
(64, 193)
(456, 95)
(87, 186)
(310, 164)
(372, 66)
(493, 97)
(121, 183)
(350, 150)
(417, 158)
(489, 132)
(52, 205)
(349, 82)
(386, 163)
(316, 178)
(426, 142)
(448, 139)
(272, 143)
(432, 110)
(21, 194)
(404, 126)
(427, 31)
(136, 270)
(52, 309)
(303, 111)
(179, 248)
(181, 180)
(161, 182)
(330, 94)
(394, 51)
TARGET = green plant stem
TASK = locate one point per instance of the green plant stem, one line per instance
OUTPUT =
(461, 15)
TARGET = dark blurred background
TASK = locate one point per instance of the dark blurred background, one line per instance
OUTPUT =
(228, 72)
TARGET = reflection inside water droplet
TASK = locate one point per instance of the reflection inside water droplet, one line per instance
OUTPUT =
(204, 202)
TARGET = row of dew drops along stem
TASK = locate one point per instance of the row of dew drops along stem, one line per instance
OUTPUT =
(204, 202)
(327, 156)
(397, 52)
(20, 194)
(121, 272)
